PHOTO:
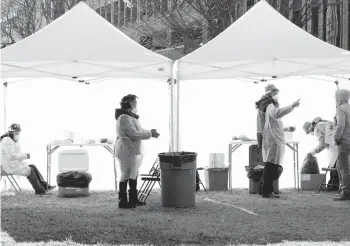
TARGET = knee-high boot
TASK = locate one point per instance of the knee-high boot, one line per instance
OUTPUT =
(138, 202)
(123, 197)
(132, 193)
(33, 180)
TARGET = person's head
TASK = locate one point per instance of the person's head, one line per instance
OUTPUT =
(307, 126)
(342, 96)
(129, 103)
(272, 91)
(14, 131)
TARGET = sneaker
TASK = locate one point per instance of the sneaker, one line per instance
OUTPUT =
(343, 196)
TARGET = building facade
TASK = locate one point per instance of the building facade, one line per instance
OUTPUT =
(145, 21)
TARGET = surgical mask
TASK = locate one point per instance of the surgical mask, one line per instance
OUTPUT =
(16, 138)
(276, 98)
(134, 110)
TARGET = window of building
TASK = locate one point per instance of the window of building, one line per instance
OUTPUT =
(103, 12)
(108, 12)
(149, 6)
(121, 13)
(143, 5)
(127, 15)
(250, 3)
(164, 5)
(297, 13)
(98, 10)
(315, 9)
(116, 13)
(134, 11)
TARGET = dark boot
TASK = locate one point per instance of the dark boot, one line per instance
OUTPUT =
(138, 202)
(33, 180)
(123, 197)
(132, 193)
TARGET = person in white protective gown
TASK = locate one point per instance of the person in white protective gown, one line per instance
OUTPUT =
(273, 140)
(129, 149)
(13, 161)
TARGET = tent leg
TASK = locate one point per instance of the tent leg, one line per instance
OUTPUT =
(177, 114)
(171, 84)
(4, 106)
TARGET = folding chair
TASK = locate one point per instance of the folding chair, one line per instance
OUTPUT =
(149, 180)
(199, 179)
(13, 181)
(323, 182)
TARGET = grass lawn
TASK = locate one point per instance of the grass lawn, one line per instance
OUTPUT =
(306, 216)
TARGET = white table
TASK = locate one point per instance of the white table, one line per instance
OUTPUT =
(50, 148)
(293, 145)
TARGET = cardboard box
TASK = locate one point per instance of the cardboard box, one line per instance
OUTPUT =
(311, 181)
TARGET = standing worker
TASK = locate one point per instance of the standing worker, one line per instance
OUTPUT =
(271, 136)
(129, 149)
(342, 139)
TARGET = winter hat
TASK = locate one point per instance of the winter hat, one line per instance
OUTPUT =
(307, 127)
(271, 88)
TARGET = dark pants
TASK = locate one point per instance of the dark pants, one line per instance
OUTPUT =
(343, 167)
(39, 176)
(269, 175)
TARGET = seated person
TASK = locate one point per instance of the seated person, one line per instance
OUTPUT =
(12, 161)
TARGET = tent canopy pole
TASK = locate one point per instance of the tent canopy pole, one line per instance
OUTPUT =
(5, 84)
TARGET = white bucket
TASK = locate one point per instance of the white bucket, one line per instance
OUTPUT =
(69, 135)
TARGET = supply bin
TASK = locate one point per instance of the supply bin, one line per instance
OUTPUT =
(73, 179)
(178, 179)
(216, 179)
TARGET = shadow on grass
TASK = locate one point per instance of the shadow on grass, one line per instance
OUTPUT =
(97, 219)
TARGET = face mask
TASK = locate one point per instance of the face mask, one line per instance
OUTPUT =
(134, 110)
(275, 97)
(16, 138)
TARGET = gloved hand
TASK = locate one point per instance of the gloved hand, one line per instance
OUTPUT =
(155, 134)
(290, 129)
(296, 104)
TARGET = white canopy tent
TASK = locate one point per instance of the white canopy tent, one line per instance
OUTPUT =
(261, 45)
(81, 46)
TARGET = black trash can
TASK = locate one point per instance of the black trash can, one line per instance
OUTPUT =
(178, 179)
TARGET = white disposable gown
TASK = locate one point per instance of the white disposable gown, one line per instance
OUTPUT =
(12, 158)
(325, 136)
(273, 143)
(129, 147)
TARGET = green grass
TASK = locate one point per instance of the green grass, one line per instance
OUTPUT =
(97, 219)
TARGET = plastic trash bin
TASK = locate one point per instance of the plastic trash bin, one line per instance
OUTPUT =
(216, 179)
(178, 179)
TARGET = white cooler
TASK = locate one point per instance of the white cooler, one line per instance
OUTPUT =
(73, 160)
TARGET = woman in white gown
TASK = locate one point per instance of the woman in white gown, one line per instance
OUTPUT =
(129, 149)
